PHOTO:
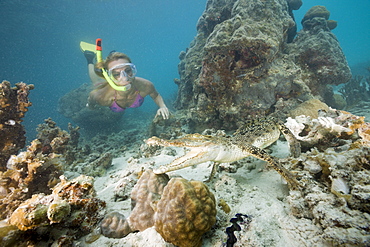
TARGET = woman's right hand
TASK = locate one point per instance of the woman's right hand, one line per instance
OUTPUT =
(164, 112)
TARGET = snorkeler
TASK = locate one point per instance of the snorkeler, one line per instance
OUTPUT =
(115, 82)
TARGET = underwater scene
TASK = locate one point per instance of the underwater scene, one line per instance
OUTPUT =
(185, 123)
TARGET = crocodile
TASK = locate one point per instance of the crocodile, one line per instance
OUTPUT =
(249, 140)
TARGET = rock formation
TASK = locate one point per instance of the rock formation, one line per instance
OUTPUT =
(240, 64)
(13, 105)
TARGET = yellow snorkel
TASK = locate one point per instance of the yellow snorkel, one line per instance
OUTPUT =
(99, 58)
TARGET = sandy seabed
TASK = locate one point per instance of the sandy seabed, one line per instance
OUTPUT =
(253, 190)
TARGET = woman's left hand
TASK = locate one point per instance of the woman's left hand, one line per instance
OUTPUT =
(164, 112)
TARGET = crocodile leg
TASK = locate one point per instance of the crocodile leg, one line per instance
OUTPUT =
(294, 145)
(213, 171)
(263, 155)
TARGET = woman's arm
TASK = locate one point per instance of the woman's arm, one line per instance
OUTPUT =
(163, 110)
(147, 87)
(157, 98)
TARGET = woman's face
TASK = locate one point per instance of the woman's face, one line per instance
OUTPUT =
(119, 78)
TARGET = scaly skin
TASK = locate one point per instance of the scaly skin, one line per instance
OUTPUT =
(247, 141)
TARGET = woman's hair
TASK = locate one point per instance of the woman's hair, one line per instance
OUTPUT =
(113, 56)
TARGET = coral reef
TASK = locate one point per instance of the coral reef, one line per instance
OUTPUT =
(241, 63)
(56, 140)
(70, 211)
(309, 108)
(331, 210)
(34, 198)
(181, 211)
(91, 158)
(13, 105)
(30, 172)
(364, 133)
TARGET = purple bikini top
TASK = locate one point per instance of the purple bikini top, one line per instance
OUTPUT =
(137, 103)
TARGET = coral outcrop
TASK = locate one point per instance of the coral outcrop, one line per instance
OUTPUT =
(70, 210)
(320, 12)
(309, 108)
(181, 211)
(84, 160)
(241, 63)
(30, 172)
(34, 196)
(56, 140)
(13, 105)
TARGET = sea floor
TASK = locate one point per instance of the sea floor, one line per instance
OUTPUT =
(250, 189)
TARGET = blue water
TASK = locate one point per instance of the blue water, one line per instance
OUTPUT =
(40, 42)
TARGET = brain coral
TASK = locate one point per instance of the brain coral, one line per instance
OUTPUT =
(147, 190)
(145, 194)
(181, 211)
(185, 212)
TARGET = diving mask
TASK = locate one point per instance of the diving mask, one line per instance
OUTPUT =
(122, 70)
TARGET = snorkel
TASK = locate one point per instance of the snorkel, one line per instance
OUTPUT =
(99, 58)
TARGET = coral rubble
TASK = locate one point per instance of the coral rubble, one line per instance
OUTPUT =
(336, 172)
(336, 195)
(331, 128)
(13, 105)
(181, 211)
(241, 64)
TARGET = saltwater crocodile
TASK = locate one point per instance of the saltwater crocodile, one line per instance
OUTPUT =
(248, 140)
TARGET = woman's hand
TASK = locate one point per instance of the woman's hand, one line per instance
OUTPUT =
(164, 112)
